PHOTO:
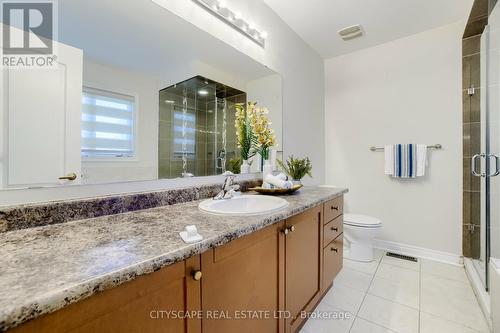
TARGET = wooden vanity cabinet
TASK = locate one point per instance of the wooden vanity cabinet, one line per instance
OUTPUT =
(242, 280)
(283, 270)
(140, 305)
(303, 271)
(333, 241)
(266, 281)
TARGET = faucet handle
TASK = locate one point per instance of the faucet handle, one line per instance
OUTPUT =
(229, 178)
(228, 188)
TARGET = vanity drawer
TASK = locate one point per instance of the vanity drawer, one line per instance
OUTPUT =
(332, 260)
(332, 230)
(333, 208)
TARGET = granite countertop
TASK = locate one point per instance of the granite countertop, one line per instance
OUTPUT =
(46, 268)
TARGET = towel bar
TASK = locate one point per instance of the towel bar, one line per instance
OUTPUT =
(438, 146)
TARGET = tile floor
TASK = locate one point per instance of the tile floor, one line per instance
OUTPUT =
(396, 296)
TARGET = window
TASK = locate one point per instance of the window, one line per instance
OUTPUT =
(107, 124)
(190, 130)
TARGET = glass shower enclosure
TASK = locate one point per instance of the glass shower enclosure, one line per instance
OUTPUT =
(197, 136)
(486, 165)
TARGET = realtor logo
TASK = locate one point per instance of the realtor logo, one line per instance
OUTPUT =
(28, 33)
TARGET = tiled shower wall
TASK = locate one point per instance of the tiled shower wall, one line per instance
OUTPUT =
(471, 96)
(207, 133)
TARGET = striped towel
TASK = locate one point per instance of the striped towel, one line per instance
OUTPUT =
(404, 159)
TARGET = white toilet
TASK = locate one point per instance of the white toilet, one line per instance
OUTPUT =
(359, 231)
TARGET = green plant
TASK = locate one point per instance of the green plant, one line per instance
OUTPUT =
(244, 131)
(296, 168)
(234, 165)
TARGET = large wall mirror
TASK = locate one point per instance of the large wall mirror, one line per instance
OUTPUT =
(137, 94)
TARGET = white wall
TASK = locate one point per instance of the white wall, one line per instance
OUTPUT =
(144, 166)
(267, 92)
(300, 67)
(405, 91)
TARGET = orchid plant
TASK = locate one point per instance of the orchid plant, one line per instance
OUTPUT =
(264, 136)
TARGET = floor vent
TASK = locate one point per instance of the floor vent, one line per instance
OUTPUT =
(401, 256)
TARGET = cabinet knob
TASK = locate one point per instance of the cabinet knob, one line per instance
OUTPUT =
(334, 250)
(335, 229)
(335, 208)
(197, 275)
(69, 176)
(288, 230)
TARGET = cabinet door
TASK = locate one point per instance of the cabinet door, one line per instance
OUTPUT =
(304, 255)
(241, 278)
(141, 305)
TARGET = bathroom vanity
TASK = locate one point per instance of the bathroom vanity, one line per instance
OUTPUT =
(265, 272)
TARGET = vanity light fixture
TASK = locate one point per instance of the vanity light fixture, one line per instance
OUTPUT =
(233, 19)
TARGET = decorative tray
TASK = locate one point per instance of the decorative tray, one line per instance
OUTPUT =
(276, 190)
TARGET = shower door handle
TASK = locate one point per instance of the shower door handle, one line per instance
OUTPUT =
(497, 165)
(473, 165)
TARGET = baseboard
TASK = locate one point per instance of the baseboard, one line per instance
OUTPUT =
(495, 293)
(419, 252)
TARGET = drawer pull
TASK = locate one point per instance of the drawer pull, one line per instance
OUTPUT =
(288, 230)
(334, 229)
(196, 275)
(335, 208)
(334, 250)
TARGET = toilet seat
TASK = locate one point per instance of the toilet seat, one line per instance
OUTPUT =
(362, 221)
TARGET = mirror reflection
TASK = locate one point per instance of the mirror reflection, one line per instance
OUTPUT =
(197, 134)
(146, 100)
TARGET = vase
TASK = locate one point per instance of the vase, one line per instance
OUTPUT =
(266, 169)
(245, 167)
(296, 182)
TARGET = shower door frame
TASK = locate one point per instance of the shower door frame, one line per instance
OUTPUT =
(487, 156)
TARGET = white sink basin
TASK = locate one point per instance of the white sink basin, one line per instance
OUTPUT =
(243, 205)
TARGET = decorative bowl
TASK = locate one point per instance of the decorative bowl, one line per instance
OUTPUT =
(276, 191)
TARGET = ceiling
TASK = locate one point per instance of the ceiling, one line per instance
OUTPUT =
(317, 21)
(142, 36)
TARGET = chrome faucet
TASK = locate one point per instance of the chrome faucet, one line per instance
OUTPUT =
(228, 189)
